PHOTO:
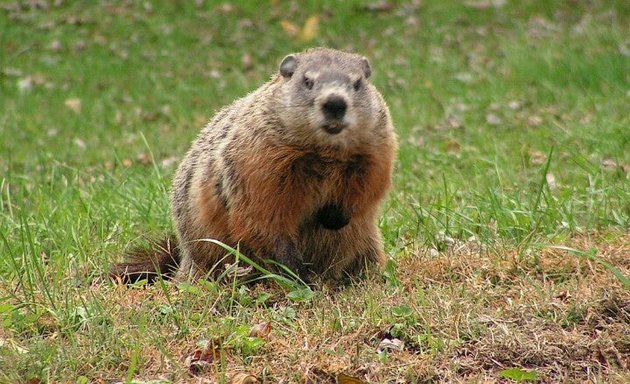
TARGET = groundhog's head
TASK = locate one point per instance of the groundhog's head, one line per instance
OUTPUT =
(324, 97)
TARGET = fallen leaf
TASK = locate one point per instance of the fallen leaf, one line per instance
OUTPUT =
(342, 378)
(612, 165)
(243, 378)
(310, 28)
(226, 7)
(453, 122)
(464, 77)
(537, 157)
(74, 105)
(143, 158)
(169, 161)
(534, 121)
(379, 6)
(237, 271)
(482, 5)
(99, 39)
(55, 46)
(539, 27)
(80, 45)
(515, 105)
(25, 84)
(391, 344)
(493, 119)
(246, 61)
(79, 143)
(563, 296)
(289, 28)
(453, 146)
(551, 180)
(201, 359)
(261, 330)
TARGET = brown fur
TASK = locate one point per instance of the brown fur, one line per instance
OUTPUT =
(268, 175)
(161, 259)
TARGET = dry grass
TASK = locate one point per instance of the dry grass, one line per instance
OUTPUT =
(467, 314)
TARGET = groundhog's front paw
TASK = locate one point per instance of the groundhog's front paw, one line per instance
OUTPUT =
(333, 217)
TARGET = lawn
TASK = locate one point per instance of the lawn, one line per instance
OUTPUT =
(508, 226)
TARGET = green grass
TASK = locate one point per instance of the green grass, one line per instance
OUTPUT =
(514, 142)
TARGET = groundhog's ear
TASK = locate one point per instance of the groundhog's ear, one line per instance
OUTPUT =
(288, 65)
(367, 70)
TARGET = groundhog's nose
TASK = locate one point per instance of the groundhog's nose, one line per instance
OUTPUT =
(335, 107)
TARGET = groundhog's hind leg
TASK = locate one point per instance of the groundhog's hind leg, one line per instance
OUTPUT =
(370, 257)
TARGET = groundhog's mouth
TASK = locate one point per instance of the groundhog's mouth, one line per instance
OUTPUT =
(333, 127)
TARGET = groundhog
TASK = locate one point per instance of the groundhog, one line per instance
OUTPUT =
(294, 172)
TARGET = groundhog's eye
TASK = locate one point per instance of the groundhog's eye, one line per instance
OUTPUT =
(308, 82)
(358, 85)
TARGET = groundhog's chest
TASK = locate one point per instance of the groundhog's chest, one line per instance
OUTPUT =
(329, 175)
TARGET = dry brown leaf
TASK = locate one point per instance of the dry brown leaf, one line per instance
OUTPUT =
(534, 121)
(237, 271)
(247, 62)
(453, 146)
(609, 164)
(537, 157)
(453, 122)
(201, 359)
(515, 105)
(55, 46)
(79, 142)
(379, 6)
(612, 165)
(261, 330)
(310, 28)
(226, 7)
(169, 161)
(289, 28)
(143, 158)
(74, 104)
(25, 84)
(551, 181)
(243, 378)
(392, 344)
(342, 378)
(493, 119)
(482, 5)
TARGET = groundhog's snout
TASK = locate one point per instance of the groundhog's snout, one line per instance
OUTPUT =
(334, 109)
